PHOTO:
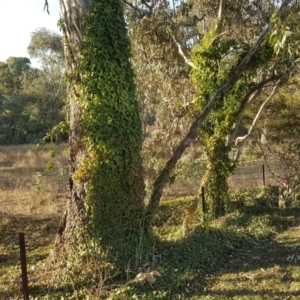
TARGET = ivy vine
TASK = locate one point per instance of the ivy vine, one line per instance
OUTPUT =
(216, 59)
(111, 170)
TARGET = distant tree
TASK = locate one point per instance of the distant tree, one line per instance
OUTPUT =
(11, 73)
(47, 47)
(13, 117)
(27, 111)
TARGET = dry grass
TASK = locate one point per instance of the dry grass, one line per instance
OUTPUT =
(32, 201)
(25, 186)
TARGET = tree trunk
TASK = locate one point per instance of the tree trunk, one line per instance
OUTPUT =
(106, 178)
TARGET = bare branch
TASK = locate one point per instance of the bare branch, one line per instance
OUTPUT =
(181, 52)
(241, 141)
(46, 7)
(189, 23)
(136, 10)
(221, 9)
(253, 91)
(147, 5)
(139, 11)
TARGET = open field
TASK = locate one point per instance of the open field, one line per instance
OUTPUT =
(253, 253)
(32, 201)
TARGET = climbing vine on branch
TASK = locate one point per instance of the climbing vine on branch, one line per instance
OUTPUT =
(237, 71)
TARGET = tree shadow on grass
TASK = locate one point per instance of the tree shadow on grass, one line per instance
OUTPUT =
(191, 267)
(38, 291)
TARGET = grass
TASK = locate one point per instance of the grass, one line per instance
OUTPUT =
(31, 202)
(252, 253)
(268, 268)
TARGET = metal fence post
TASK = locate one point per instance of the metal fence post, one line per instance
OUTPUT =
(264, 174)
(24, 289)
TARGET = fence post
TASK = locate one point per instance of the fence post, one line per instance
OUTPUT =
(203, 199)
(203, 203)
(264, 174)
(24, 289)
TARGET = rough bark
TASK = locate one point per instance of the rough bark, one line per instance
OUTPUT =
(72, 13)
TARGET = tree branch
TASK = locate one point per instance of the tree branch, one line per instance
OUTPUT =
(46, 7)
(136, 10)
(220, 15)
(147, 5)
(249, 96)
(189, 23)
(181, 52)
(241, 141)
(139, 11)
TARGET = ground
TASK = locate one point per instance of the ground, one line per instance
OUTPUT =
(252, 253)
(268, 270)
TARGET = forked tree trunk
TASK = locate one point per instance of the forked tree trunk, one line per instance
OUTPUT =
(106, 178)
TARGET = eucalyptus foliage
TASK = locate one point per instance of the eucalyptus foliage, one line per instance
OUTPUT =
(26, 107)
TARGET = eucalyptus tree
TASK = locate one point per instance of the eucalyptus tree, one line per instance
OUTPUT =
(14, 117)
(230, 65)
(164, 89)
(106, 178)
(11, 74)
(35, 88)
(216, 59)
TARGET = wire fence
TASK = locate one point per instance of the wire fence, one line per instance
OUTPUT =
(248, 176)
(251, 176)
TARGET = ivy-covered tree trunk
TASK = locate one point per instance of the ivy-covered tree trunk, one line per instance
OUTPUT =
(215, 179)
(106, 178)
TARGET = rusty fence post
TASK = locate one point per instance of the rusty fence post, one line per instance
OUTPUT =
(24, 289)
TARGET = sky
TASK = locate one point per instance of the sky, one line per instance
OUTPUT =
(18, 19)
